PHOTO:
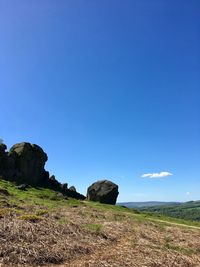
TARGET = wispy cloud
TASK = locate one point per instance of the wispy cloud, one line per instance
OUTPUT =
(187, 193)
(156, 175)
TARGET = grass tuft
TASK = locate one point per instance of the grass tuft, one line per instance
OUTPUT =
(30, 217)
(96, 228)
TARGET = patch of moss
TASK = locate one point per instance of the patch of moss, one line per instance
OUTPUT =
(96, 228)
(63, 221)
(3, 212)
(183, 250)
(41, 212)
(30, 217)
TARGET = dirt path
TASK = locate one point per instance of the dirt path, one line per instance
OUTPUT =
(168, 222)
(175, 224)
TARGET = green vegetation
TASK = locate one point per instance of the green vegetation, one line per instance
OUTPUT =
(141, 215)
(33, 196)
(40, 201)
(168, 244)
(187, 211)
(63, 221)
(3, 212)
(97, 228)
(30, 217)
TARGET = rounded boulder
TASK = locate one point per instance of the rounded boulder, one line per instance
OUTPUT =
(103, 191)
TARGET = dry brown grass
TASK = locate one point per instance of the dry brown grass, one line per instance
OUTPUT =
(145, 245)
(83, 236)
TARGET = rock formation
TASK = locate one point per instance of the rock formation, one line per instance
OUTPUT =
(24, 163)
(64, 186)
(103, 191)
(7, 163)
(72, 188)
(29, 162)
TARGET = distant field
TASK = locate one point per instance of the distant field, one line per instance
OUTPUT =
(188, 211)
(146, 204)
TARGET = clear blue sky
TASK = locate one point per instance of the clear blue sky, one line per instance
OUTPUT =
(109, 89)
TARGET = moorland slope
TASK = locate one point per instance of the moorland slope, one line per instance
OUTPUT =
(38, 226)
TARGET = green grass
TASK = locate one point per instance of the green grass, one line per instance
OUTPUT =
(34, 196)
(187, 211)
(30, 217)
(141, 216)
(3, 212)
(96, 228)
(42, 212)
(169, 245)
(152, 216)
(63, 221)
(41, 201)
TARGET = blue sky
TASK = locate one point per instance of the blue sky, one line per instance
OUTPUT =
(109, 89)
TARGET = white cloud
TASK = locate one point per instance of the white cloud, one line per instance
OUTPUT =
(187, 193)
(156, 175)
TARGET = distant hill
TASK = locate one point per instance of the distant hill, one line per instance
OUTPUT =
(146, 204)
(188, 210)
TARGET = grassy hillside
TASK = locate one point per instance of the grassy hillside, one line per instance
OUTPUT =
(40, 227)
(188, 211)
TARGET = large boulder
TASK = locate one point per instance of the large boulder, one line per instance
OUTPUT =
(29, 162)
(103, 191)
(3, 148)
(7, 163)
(53, 183)
(3, 158)
(72, 188)
(64, 186)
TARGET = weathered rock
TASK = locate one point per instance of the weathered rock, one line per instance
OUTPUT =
(3, 148)
(61, 196)
(74, 194)
(24, 164)
(3, 157)
(103, 191)
(64, 186)
(71, 192)
(53, 183)
(7, 164)
(29, 162)
(22, 187)
(72, 188)
(4, 192)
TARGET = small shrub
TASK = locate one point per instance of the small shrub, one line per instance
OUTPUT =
(96, 228)
(63, 221)
(3, 212)
(30, 217)
(41, 212)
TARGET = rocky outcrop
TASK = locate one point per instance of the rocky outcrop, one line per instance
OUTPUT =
(29, 162)
(7, 163)
(25, 164)
(4, 192)
(103, 191)
(72, 188)
(64, 186)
